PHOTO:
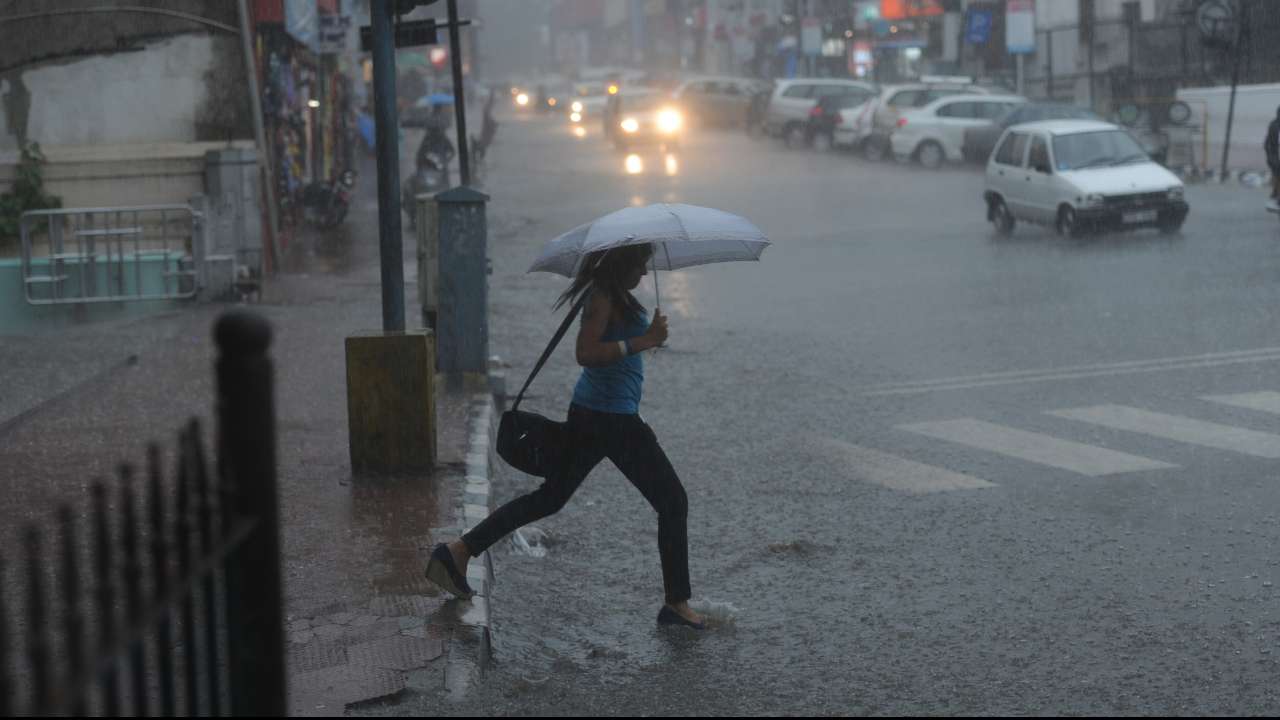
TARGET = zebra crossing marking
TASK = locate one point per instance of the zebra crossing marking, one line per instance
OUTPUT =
(1037, 448)
(1266, 401)
(1175, 427)
(896, 473)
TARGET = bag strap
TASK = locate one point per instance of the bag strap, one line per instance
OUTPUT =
(564, 327)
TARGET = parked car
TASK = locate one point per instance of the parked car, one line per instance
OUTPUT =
(826, 115)
(788, 110)
(1079, 176)
(980, 141)
(866, 127)
(934, 134)
(646, 116)
(716, 101)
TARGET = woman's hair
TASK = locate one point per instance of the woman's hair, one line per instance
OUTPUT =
(605, 271)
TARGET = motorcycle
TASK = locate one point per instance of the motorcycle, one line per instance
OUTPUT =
(325, 204)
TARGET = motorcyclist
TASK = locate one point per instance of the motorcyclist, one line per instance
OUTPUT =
(435, 142)
(1272, 147)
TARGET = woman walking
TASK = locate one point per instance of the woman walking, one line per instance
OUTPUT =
(604, 422)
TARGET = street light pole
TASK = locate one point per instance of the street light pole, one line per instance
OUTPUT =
(459, 98)
(388, 151)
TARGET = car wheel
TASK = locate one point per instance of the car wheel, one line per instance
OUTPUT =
(931, 155)
(822, 142)
(1002, 218)
(794, 137)
(1068, 224)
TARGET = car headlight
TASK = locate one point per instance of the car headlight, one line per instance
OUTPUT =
(522, 99)
(1176, 193)
(1094, 199)
(669, 121)
(576, 106)
(630, 125)
(575, 117)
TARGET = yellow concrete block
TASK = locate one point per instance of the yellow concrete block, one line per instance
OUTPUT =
(391, 402)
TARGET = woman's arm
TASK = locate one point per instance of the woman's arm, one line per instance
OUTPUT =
(591, 350)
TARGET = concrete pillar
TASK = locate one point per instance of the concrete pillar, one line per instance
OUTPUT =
(462, 329)
(234, 211)
(391, 402)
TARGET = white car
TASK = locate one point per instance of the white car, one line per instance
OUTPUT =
(788, 110)
(866, 127)
(1079, 176)
(934, 134)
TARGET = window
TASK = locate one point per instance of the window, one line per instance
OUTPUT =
(711, 88)
(820, 91)
(1039, 157)
(992, 110)
(959, 110)
(906, 98)
(731, 89)
(797, 91)
(1010, 151)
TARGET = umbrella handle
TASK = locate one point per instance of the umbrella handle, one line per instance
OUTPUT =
(657, 298)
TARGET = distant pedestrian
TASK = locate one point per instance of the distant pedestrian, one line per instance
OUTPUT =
(1272, 147)
(604, 421)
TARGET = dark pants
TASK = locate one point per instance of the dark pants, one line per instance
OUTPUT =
(630, 443)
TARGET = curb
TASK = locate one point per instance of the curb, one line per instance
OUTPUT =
(1246, 177)
(470, 648)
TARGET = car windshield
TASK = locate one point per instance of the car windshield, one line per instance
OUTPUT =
(642, 103)
(1080, 151)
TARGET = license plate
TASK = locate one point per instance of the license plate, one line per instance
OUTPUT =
(1139, 216)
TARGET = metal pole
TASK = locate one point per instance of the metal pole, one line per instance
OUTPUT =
(388, 151)
(1235, 82)
(1018, 60)
(459, 100)
(260, 135)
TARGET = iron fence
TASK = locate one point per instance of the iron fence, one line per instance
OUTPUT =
(180, 611)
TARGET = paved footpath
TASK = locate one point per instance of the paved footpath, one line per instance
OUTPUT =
(363, 625)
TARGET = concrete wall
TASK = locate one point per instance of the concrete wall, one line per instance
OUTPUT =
(152, 95)
(110, 175)
(1255, 108)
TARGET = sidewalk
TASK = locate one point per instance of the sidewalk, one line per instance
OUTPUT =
(363, 624)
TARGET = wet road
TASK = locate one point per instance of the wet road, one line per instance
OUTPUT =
(929, 470)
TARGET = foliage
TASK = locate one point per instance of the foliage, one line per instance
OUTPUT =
(27, 192)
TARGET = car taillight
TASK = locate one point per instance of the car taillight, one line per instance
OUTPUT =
(815, 112)
(839, 118)
(902, 122)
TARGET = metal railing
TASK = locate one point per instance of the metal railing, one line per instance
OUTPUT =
(84, 255)
(182, 611)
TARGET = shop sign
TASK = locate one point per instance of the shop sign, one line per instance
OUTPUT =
(903, 9)
(333, 33)
(1020, 27)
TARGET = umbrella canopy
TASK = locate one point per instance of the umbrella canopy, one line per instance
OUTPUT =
(689, 235)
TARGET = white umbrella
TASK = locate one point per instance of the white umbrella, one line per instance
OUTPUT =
(689, 235)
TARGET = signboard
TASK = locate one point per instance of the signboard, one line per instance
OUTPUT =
(408, 34)
(302, 21)
(810, 36)
(903, 9)
(977, 30)
(1020, 27)
(333, 33)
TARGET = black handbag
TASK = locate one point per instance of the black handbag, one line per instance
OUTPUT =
(529, 442)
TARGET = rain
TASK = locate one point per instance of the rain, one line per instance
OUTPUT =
(646, 357)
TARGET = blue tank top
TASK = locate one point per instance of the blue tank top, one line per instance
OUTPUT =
(615, 388)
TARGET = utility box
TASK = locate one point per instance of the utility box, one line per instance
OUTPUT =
(391, 402)
(462, 323)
